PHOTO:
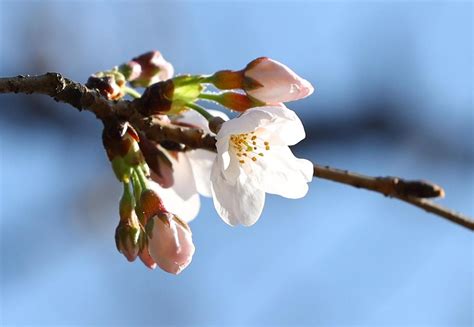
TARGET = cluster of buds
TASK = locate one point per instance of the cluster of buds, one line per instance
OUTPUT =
(162, 183)
(262, 82)
(146, 229)
(142, 71)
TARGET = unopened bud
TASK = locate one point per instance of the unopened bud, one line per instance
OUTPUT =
(121, 144)
(131, 70)
(157, 98)
(170, 242)
(108, 84)
(169, 97)
(127, 234)
(154, 68)
(271, 82)
(126, 238)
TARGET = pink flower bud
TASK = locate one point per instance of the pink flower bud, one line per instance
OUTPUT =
(272, 82)
(127, 234)
(131, 70)
(154, 68)
(170, 243)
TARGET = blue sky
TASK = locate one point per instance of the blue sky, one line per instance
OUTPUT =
(339, 257)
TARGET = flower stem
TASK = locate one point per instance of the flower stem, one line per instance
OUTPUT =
(132, 92)
(207, 79)
(210, 97)
(137, 185)
(200, 110)
(127, 196)
(142, 178)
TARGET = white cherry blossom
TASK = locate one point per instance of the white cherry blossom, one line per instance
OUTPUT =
(253, 159)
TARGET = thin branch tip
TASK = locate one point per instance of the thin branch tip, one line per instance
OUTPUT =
(415, 192)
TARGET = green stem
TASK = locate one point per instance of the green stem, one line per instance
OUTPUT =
(190, 79)
(201, 110)
(132, 92)
(142, 178)
(127, 195)
(208, 79)
(137, 185)
(210, 97)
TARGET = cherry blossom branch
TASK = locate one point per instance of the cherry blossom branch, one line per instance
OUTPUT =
(413, 192)
(79, 96)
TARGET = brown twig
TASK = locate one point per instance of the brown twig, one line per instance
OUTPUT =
(83, 98)
(413, 192)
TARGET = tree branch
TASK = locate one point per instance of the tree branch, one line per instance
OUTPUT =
(413, 192)
(83, 98)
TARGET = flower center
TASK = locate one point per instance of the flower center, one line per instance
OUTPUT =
(248, 146)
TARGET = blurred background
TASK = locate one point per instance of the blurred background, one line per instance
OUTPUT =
(394, 83)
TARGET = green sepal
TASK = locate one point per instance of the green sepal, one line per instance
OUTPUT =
(186, 89)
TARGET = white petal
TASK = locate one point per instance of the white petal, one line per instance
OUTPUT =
(182, 198)
(217, 113)
(194, 118)
(249, 121)
(201, 163)
(222, 147)
(236, 204)
(286, 125)
(280, 172)
(226, 161)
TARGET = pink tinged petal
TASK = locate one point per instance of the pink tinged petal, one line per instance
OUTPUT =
(240, 203)
(279, 83)
(280, 172)
(201, 163)
(166, 71)
(182, 198)
(170, 244)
